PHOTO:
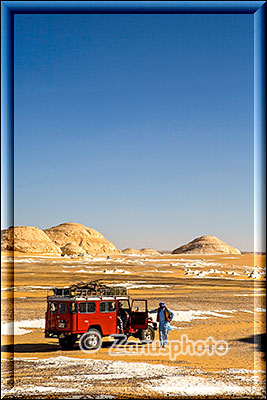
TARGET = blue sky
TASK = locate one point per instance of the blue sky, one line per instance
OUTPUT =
(140, 126)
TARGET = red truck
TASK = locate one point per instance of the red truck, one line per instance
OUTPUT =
(92, 308)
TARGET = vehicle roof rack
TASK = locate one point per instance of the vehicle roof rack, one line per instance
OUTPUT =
(91, 288)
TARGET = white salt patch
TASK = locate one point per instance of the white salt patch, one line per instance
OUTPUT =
(137, 285)
(50, 389)
(147, 286)
(17, 326)
(167, 272)
(70, 266)
(163, 379)
(230, 257)
(34, 390)
(25, 288)
(37, 287)
(250, 294)
(193, 386)
(244, 371)
(82, 270)
(187, 316)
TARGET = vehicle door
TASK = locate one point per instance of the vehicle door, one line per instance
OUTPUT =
(86, 315)
(51, 316)
(62, 317)
(108, 316)
(139, 314)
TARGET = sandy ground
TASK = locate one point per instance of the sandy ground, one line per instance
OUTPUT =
(222, 297)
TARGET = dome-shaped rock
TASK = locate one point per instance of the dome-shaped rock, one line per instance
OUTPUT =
(86, 240)
(206, 245)
(27, 239)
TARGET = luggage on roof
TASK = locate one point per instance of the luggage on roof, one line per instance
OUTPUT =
(89, 289)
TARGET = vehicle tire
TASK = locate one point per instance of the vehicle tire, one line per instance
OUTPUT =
(68, 342)
(91, 340)
(147, 335)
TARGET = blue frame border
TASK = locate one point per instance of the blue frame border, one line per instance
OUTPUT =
(258, 8)
(153, 7)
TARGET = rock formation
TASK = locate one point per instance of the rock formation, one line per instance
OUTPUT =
(149, 252)
(144, 251)
(72, 249)
(129, 250)
(206, 245)
(27, 239)
(75, 238)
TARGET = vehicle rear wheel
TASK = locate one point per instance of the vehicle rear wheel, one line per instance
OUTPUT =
(67, 342)
(147, 335)
(91, 340)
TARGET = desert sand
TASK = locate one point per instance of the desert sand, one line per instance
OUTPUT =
(222, 296)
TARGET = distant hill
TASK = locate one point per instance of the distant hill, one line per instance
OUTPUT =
(27, 239)
(165, 251)
(68, 238)
(75, 238)
(149, 252)
(129, 250)
(144, 251)
(206, 245)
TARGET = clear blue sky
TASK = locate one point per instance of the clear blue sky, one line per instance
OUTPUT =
(140, 126)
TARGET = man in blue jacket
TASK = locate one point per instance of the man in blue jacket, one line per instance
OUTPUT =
(164, 316)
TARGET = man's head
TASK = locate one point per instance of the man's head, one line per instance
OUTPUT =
(162, 305)
(119, 304)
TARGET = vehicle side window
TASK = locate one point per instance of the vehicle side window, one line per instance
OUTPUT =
(53, 307)
(91, 307)
(82, 307)
(111, 306)
(107, 306)
(87, 307)
(62, 308)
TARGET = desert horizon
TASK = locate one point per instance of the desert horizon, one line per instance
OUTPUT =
(207, 246)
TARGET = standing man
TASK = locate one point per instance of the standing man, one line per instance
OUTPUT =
(122, 318)
(164, 316)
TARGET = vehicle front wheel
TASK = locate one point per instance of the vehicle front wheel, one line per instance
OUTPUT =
(91, 340)
(67, 342)
(147, 335)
